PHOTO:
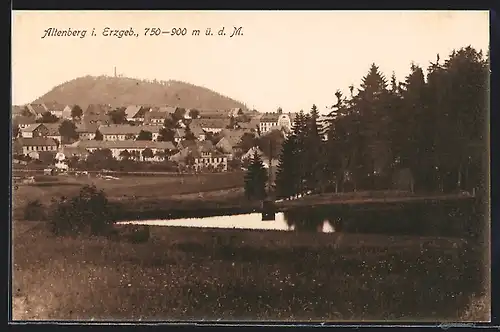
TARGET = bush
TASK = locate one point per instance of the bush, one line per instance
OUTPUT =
(90, 212)
(34, 210)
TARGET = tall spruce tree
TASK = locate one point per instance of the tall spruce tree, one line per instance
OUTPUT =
(256, 179)
(313, 151)
(287, 179)
(370, 103)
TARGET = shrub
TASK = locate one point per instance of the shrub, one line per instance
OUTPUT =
(89, 211)
(34, 210)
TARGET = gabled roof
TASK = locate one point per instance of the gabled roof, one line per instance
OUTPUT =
(55, 106)
(31, 127)
(196, 129)
(70, 151)
(119, 129)
(37, 108)
(143, 111)
(179, 132)
(250, 153)
(38, 141)
(53, 128)
(269, 117)
(188, 144)
(25, 120)
(206, 146)
(66, 113)
(224, 145)
(87, 127)
(211, 123)
(168, 109)
(217, 114)
(132, 111)
(97, 113)
(155, 114)
(17, 110)
(234, 135)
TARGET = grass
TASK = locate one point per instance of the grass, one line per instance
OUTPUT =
(186, 273)
(132, 189)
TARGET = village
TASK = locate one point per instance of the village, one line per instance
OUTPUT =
(61, 138)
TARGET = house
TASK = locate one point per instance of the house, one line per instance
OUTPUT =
(212, 125)
(86, 131)
(225, 146)
(119, 132)
(66, 112)
(24, 121)
(36, 109)
(38, 144)
(127, 132)
(156, 117)
(234, 135)
(34, 130)
(53, 131)
(197, 131)
(271, 120)
(74, 151)
(139, 117)
(252, 125)
(209, 158)
(96, 114)
(17, 111)
(214, 114)
(55, 108)
(118, 147)
(234, 112)
(132, 111)
(250, 153)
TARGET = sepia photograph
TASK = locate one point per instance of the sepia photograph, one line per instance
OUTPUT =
(223, 166)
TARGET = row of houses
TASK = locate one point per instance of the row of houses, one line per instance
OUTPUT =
(38, 141)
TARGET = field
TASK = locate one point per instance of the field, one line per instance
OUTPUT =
(133, 189)
(223, 274)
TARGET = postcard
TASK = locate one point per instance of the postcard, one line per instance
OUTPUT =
(221, 166)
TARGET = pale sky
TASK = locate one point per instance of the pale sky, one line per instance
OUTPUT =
(288, 59)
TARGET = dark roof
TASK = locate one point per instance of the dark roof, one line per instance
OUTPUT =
(87, 127)
(38, 141)
(31, 127)
(128, 144)
(269, 117)
(55, 106)
(25, 120)
(220, 114)
(211, 123)
(53, 128)
(196, 129)
(119, 129)
(37, 108)
(17, 110)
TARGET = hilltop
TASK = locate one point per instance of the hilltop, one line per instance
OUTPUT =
(123, 91)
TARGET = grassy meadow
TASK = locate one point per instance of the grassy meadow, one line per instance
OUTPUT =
(183, 274)
(136, 190)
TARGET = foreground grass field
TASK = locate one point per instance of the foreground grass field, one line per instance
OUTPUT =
(223, 274)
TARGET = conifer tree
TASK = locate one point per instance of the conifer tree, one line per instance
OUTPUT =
(256, 179)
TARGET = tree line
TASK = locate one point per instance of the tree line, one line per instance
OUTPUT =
(433, 123)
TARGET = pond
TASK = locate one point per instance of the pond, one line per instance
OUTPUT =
(415, 219)
(240, 221)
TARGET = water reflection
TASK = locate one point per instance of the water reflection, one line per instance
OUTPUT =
(417, 219)
(282, 222)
